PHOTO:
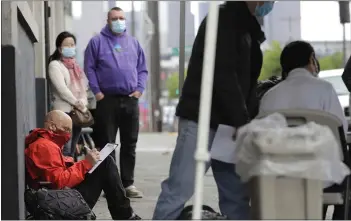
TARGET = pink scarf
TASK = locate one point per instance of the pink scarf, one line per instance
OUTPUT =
(77, 86)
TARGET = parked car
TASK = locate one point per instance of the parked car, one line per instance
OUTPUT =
(334, 77)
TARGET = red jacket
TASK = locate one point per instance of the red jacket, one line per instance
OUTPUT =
(45, 162)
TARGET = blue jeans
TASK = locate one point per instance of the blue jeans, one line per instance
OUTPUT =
(178, 188)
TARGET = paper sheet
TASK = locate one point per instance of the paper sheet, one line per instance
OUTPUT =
(103, 154)
(223, 146)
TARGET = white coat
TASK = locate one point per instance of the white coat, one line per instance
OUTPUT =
(301, 90)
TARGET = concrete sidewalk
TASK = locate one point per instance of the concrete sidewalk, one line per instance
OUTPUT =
(154, 154)
(151, 170)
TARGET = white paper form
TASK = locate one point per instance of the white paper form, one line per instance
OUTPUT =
(103, 154)
(223, 145)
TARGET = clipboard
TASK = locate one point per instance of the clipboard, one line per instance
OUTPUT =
(105, 152)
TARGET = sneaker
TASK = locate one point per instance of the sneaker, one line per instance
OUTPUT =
(135, 217)
(133, 192)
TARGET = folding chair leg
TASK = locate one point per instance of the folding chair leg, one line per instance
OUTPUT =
(347, 199)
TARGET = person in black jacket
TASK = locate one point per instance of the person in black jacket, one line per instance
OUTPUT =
(234, 102)
(346, 76)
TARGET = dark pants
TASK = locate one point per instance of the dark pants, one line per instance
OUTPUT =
(106, 178)
(113, 113)
(338, 213)
(69, 149)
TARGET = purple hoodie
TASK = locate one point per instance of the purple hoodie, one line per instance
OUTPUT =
(115, 64)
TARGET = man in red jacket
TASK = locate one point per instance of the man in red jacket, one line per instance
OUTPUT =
(45, 162)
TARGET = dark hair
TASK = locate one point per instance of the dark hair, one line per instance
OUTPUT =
(114, 9)
(60, 38)
(296, 54)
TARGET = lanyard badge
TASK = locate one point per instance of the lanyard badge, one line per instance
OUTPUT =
(118, 48)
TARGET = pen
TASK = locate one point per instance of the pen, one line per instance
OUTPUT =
(87, 147)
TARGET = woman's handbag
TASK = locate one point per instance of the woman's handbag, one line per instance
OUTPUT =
(81, 118)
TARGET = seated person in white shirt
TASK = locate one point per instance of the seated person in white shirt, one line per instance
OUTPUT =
(301, 87)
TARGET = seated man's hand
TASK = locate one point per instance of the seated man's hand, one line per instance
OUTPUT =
(93, 156)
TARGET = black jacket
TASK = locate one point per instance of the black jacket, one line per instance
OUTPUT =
(346, 76)
(266, 85)
(237, 65)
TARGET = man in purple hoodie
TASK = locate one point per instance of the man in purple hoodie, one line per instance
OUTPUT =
(116, 68)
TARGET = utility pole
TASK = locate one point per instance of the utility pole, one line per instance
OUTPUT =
(152, 9)
(182, 9)
(344, 12)
(133, 19)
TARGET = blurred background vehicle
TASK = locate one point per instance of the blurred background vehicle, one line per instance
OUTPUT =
(334, 77)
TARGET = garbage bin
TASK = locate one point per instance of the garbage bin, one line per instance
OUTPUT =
(287, 168)
(283, 197)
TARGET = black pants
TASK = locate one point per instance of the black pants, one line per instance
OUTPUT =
(338, 213)
(106, 178)
(113, 113)
(69, 149)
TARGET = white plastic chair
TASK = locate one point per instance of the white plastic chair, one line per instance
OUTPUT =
(336, 194)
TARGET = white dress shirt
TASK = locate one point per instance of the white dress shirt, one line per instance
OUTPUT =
(301, 90)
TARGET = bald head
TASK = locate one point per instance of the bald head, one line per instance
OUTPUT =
(58, 121)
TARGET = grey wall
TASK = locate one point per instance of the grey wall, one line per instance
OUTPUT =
(26, 100)
(20, 31)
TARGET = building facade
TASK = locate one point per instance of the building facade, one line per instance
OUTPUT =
(29, 29)
(87, 26)
(283, 24)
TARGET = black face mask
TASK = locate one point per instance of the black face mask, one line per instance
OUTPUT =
(318, 67)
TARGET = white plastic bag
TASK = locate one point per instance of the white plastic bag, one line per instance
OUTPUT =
(269, 147)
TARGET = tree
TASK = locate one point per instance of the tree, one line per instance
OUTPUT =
(333, 61)
(271, 61)
(173, 84)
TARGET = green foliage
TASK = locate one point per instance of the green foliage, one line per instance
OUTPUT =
(173, 84)
(271, 67)
(271, 62)
(333, 61)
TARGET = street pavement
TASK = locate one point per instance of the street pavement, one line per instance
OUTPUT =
(154, 152)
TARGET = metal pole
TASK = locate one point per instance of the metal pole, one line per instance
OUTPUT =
(133, 20)
(155, 67)
(181, 44)
(47, 50)
(202, 155)
(344, 51)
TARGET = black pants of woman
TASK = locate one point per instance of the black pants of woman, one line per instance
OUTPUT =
(69, 149)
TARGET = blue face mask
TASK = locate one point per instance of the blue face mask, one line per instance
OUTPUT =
(264, 9)
(68, 52)
(118, 26)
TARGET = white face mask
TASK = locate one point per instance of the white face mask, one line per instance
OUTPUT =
(118, 26)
